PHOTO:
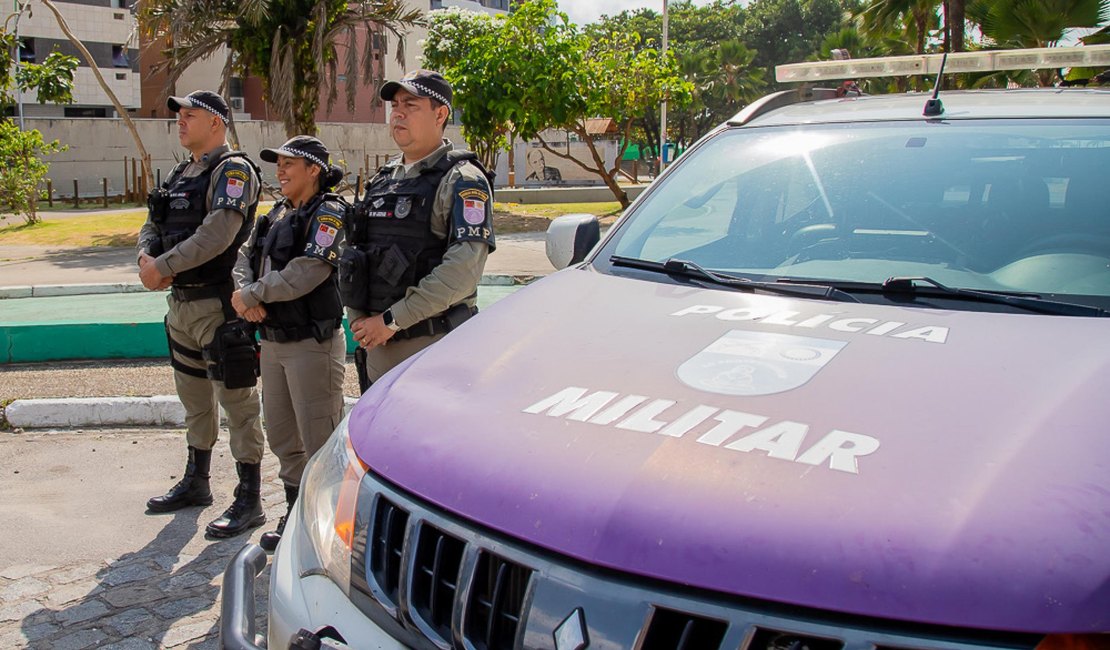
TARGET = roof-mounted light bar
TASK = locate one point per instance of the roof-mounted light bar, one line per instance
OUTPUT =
(1087, 56)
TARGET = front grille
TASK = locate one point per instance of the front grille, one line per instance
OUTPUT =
(386, 547)
(435, 578)
(435, 581)
(671, 630)
(496, 601)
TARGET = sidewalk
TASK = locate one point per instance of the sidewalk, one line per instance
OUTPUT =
(66, 303)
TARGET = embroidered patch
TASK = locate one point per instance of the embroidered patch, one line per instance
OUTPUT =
(326, 235)
(235, 187)
(474, 212)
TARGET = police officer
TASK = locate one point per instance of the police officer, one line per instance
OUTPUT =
(419, 237)
(287, 283)
(198, 219)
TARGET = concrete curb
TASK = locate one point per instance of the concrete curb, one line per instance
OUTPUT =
(82, 412)
(55, 290)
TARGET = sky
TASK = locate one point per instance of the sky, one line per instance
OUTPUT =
(588, 11)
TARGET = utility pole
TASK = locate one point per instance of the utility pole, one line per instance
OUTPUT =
(18, 55)
(663, 107)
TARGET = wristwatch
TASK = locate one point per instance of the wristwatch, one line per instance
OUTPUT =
(387, 318)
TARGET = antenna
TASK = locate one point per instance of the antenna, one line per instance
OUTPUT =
(934, 107)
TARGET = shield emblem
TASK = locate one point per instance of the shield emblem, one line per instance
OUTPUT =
(404, 206)
(757, 363)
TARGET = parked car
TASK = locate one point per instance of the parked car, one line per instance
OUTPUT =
(838, 379)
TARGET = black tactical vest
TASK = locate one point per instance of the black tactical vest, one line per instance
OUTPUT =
(314, 314)
(185, 207)
(390, 243)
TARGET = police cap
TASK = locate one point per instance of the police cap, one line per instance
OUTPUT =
(300, 146)
(205, 99)
(422, 83)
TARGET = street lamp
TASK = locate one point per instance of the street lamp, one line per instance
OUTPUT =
(663, 108)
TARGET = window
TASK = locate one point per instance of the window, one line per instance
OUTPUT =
(119, 57)
(27, 50)
(119, 4)
(71, 111)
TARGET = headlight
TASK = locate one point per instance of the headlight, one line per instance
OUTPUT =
(329, 490)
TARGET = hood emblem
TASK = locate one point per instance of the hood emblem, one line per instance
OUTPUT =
(757, 363)
(571, 633)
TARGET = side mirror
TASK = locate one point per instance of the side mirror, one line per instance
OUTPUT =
(570, 238)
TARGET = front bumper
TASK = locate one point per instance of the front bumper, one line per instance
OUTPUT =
(299, 605)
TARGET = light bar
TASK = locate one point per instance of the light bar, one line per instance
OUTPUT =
(1086, 56)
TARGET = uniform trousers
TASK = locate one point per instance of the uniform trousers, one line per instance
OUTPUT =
(193, 324)
(381, 359)
(302, 398)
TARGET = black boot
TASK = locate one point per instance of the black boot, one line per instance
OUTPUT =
(192, 489)
(270, 540)
(246, 511)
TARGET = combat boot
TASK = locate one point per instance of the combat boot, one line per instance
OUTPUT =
(192, 489)
(246, 511)
(270, 540)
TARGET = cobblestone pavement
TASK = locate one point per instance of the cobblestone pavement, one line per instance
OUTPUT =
(115, 576)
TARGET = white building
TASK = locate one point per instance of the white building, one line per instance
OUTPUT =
(108, 30)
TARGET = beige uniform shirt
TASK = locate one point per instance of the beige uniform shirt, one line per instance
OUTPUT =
(214, 235)
(455, 279)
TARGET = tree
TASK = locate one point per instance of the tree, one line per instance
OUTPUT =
(22, 151)
(1024, 24)
(291, 45)
(786, 31)
(148, 175)
(23, 168)
(450, 32)
(533, 71)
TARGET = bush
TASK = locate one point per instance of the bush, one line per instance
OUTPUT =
(23, 168)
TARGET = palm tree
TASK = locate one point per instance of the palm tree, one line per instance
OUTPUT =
(291, 45)
(881, 15)
(1025, 23)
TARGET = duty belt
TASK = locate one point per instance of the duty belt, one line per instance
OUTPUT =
(438, 324)
(188, 293)
(291, 334)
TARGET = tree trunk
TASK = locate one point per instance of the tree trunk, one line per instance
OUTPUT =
(148, 176)
(957, 20)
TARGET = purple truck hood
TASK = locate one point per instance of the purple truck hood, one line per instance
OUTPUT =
(913, 464)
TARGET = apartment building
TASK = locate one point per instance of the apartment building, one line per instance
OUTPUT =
(109, 31)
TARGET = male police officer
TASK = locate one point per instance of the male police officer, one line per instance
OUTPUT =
(198, 219)
(419, 238)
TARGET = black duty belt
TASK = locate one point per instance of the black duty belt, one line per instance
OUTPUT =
(293, 334)
(451, 319)
(186, 294)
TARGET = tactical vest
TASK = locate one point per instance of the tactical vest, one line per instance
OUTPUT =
(390, 243)
(182, 207)
(316, 314)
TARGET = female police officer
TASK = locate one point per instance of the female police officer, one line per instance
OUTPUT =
(287, 284)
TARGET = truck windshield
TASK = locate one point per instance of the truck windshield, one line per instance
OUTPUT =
(996, 205)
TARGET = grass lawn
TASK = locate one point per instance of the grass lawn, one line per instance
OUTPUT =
(122, 228)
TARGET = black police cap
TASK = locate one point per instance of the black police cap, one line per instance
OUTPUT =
(300, 146)
(205, 99)
(422, 83)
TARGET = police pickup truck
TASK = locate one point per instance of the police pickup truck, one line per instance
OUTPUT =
(837, 380)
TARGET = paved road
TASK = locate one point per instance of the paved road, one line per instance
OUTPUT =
(81, 563)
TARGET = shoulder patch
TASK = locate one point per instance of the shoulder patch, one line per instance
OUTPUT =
(234, 187)
(326, 235)
(472, 212)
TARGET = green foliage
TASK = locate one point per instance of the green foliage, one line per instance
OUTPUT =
(52, 79)
(785, 31)
(1034, 23)
(23, 168)
(533, 70)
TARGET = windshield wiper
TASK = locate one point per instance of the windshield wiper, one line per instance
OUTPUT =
(911, 285)
(688, 269)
